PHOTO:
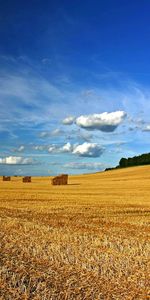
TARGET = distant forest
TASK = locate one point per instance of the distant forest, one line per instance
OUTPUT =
(143, 159)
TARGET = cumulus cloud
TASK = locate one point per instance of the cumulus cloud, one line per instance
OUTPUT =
(67, 148)
(88, 150)
(84, 165)
(146, 128)
(63, 149)
(69, 120)
(16, 160)
(106, 122)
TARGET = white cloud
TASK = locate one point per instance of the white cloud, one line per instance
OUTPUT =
(16, 160)
(84, 165)
(53, 149)
(88, 150)
(106, 122)
(85, 149)
(56, 149)
(44, 134)
(67, 148)
(146, 128)
(26, 92)
(21, 148)
(69, 120)
(39, 147)
(53, 133)
(50, 148)
(56, 132)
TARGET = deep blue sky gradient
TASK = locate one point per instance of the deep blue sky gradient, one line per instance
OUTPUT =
(61, 58)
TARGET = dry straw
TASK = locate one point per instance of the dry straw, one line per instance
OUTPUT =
(60, 180)
(26, 179)
(6, 178)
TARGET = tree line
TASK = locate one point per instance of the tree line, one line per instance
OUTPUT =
(143, 159)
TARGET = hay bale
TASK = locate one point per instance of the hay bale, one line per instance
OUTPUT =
(6, 178)
(64, 179)
(56, 180)
(60, 180)
(26, 179)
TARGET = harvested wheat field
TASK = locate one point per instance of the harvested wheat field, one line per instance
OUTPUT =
(86, 240)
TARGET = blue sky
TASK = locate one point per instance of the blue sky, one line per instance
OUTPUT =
(74, 85)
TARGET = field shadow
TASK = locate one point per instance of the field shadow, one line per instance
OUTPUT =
(74, 184)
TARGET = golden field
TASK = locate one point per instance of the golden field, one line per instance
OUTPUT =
(87, 240)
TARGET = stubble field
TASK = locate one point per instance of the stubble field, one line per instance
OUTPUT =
(87, 240)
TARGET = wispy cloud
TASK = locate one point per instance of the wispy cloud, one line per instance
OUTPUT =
(24, 94)
(85, 165)
(40, 147)
(33, 106)
(21, 148)
(54, 133)
(16, 160)
(34, 98)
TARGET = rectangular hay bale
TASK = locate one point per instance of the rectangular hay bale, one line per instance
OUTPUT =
(6, 178)
(60, 180)
(26, 179)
